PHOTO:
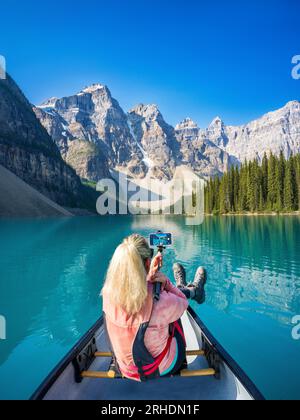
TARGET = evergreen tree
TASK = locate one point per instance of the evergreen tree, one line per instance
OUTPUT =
(264, 179)
(280, 176)
(253, 186)
(273, 185)
(243, 193)
(224, 194)
(236, 188)
(297, 169)
(290, 187)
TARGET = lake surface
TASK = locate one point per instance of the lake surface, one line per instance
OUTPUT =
(51, 273)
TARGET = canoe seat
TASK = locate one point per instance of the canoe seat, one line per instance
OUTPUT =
(111, 374)
(188, 353)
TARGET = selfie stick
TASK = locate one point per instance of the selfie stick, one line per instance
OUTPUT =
(157, 286)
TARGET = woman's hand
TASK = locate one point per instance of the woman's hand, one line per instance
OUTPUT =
(159, 278)
(156, 265)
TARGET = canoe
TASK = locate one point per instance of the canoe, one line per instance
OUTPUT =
(87, 372)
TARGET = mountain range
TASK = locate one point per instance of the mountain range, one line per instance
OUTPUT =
(87, 136)
(94, 135)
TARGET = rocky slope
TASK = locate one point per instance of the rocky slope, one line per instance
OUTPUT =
(18, 199)
(219, 146)
(92, 133)
(28, 151)
(275, 131)
(200, 153)
(157, 140)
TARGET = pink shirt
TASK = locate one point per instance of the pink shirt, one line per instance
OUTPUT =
(122, 329)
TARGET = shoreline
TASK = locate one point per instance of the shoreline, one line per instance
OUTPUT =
(249, 214)
(82, 213)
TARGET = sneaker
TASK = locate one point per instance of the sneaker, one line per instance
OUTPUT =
(179, 275)
(199, 285)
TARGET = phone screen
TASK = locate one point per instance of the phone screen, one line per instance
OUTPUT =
(161, 239)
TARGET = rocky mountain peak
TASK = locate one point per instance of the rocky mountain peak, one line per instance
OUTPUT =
(275, 131)
(217, 122)
(86, 101)
(94, 88)
(156, 138)
(92, 133)
(216, 133)
(98, 96)
(293, 105)
(187, 123)
(149, 112)
(49, 103)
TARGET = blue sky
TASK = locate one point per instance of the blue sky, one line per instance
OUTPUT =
(192, 58)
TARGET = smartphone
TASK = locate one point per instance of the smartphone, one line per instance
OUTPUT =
(160, 239)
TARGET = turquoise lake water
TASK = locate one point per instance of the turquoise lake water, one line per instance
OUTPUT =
(52, 272)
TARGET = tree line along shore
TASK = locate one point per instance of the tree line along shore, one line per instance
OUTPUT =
(268, 187)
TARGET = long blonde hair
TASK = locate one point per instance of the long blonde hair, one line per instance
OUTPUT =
(125, 282)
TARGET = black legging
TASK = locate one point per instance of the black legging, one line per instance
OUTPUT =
(186, 291)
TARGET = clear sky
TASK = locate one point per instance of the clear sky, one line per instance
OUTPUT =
(192, 57)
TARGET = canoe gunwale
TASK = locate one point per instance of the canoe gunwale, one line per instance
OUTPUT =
(47, 384)
(43, 389)
(228, 360)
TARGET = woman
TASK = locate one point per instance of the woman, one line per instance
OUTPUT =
(146, 336)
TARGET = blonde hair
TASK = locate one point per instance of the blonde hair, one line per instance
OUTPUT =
(125, 282)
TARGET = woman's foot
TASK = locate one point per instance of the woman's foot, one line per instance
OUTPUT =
(179, 275)
(198, 285)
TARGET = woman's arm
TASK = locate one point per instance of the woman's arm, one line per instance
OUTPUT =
(170, 288)
(166, 284)
(169, 309)
(171, 306)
